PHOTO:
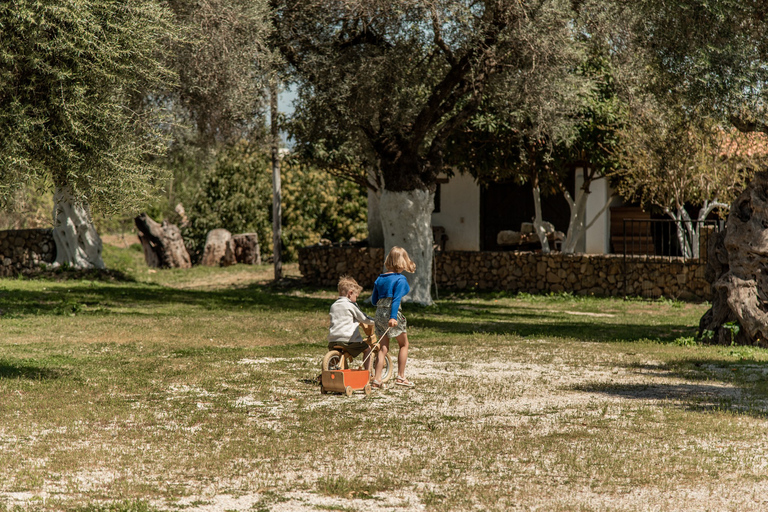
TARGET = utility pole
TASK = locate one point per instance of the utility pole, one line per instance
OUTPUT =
(276, 199)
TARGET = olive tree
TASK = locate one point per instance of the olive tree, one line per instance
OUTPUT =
(673, 160)
(220, 59)
(383, 84)
(73, 74)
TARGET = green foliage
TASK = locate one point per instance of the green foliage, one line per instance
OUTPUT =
(73, 74)
(384, 84)
(237, 195)
(672, 156)
(30, 206)
(733, 329)
(221, 62)
(711, 53)
(318, 205)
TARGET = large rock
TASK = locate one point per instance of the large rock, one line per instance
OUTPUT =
(737, 268)
(508, 237)
(219, 249)
(163, 244)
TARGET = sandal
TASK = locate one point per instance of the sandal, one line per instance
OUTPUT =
(402, 381)
(377, 385)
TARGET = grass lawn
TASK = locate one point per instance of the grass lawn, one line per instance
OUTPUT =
(195, 390)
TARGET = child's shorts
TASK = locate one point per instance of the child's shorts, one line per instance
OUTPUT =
(383, 313)
(354, 348)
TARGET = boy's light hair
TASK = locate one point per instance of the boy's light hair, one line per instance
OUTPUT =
(398, 261)
(348, 284)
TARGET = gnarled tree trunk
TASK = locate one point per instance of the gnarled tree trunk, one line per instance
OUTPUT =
(247, 250)
(737, 267)
(78, 245)
(406, 218)
(162, 243)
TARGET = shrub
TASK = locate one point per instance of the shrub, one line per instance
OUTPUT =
(236, 194)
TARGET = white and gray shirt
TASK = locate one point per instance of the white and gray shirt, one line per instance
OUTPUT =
(345, 318)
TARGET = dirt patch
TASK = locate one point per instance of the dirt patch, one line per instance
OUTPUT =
(123, 240)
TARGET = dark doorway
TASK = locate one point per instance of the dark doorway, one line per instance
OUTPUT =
(504, 206)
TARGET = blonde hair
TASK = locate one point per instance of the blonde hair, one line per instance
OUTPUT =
(398, 261)
(348, 284)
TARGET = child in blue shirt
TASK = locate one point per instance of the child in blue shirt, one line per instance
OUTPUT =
(388, 292)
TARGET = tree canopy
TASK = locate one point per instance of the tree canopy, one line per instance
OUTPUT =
(221, 61)
(72, 75)
(385, 84)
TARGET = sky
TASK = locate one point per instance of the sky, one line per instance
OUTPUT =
(285, 105)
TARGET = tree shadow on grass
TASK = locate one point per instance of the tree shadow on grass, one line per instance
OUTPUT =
(106, 298)
(15, 370)
(93, 274)
(714, 385)
(450, 317)
(552, 326)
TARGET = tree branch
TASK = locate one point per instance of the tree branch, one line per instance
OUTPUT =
(439, 38)
(748, 125)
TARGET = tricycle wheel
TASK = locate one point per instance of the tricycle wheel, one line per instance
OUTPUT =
(386, 372)
(367, 389)
(333, 360)
(349, 390)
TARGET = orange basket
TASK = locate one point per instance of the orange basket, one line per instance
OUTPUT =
(345, 381)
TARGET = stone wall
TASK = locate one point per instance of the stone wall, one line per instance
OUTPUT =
(24, 251)
(581, 274)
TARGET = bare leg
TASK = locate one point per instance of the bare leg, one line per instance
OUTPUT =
(366, 359)
(402, 355)
(384, 344)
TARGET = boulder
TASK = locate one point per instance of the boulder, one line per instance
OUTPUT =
(508, 238)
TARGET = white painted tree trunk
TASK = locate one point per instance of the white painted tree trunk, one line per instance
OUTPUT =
(577, 226)
(78, 245)
(538, 220)
(406, 219)
(684, 230)
(689, 232)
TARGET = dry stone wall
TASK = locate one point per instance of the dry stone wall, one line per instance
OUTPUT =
(25, 251)
(581, 274)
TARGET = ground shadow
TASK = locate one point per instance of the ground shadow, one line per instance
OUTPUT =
(11, 370)
(743, 389)
(132, 298)
(92, 274)
(106, 298)
(552, 325)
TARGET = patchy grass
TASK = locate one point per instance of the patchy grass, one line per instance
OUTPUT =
(151, 390)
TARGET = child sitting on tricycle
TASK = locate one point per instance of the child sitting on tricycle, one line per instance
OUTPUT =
(344, 339)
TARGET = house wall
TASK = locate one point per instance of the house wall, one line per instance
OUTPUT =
(581, 274)
(597, 239)
(460, 213)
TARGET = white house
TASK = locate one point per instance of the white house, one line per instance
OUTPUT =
(472, 215)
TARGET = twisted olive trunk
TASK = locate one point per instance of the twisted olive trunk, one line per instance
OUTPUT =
(78, 245)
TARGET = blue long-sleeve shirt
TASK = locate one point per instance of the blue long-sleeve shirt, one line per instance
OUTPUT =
(393, 285)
